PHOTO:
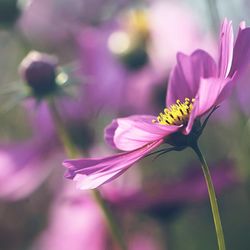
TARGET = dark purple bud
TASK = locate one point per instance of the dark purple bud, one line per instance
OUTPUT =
(39, 71)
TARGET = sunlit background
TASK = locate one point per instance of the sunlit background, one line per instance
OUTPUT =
(114, 58)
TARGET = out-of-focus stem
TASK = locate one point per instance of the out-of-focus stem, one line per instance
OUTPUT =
(71, 153)
(69, 148)
(113, 227)
(212, 198)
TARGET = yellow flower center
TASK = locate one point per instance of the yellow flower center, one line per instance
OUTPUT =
(134, 31)
(176, 114)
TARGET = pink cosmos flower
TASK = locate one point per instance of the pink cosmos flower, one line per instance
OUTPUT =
(197, 85)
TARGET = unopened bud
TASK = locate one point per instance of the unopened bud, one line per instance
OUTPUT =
(39, 71)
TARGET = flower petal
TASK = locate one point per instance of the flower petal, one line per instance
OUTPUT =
(185, 76)
(241, 56)
(109, 133)
(212, 91)
(209, 91)
(91, 173)
(134, 132)
(226, 48)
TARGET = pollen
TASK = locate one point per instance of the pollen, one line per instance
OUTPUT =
(176, 114)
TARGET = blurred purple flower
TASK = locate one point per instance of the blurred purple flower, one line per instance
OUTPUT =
(36, 19)
(94, 53)
(25, 165)
(167, 39)
(197, 85)
(75, 217)
(104, 75)
(66, 16)
(137, 50)
(191, 187)
(74, 221)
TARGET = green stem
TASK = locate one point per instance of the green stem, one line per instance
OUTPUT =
(69, 148)
(113, 227)
(212, 197)
(72, 153)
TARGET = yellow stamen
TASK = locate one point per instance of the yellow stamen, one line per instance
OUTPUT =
(176, 114)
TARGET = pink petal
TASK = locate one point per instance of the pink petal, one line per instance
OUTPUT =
(193, 116)
(134, 132)
(91, 173)
(109, 133)
(209, 91)
(185, 76)
(226, 48)
(212, 91)
(241, 56)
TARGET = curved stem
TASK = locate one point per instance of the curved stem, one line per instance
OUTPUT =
(71, 153)
(212, 197)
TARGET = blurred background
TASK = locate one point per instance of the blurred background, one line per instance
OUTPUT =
(112, 59)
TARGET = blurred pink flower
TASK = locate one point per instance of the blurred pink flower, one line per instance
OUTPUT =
(28, 162)
(66, 16)
(138, 48)
(75, 217)
(144, 241)
(190, 188)
(73, 222)
(92, 44)
(93, 55)
(197, 85)
(36, 19)
(24, 166)
(167, 39)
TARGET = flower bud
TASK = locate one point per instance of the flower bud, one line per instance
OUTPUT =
(39, 71)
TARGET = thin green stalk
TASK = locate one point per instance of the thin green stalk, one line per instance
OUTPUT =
(113, 227)
(71, 153)
(69, 148)
(212, 197)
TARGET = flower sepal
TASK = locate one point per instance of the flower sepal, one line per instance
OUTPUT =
(181, 141)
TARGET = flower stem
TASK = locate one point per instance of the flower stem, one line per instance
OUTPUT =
(212, 197)
(113, 227)
(69, 148)
(72, 152)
